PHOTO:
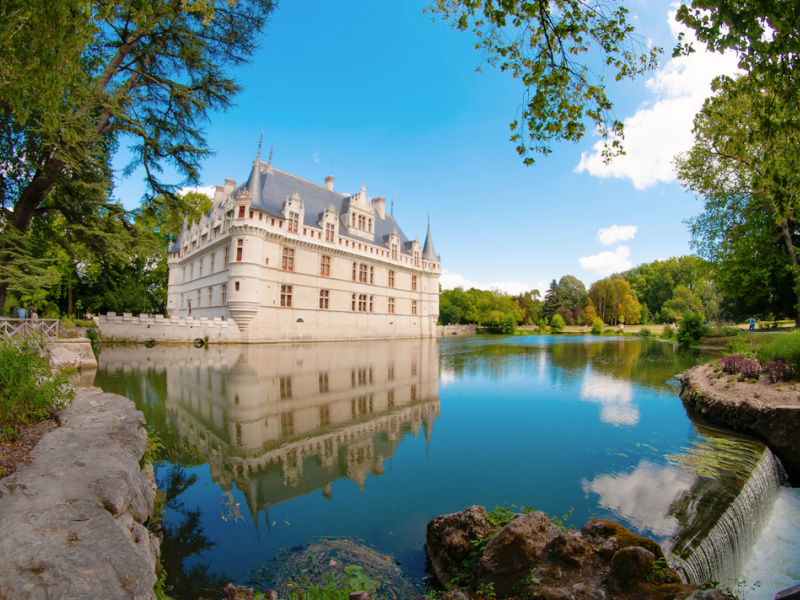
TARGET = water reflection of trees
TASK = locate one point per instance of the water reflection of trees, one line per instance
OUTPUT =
(647, 362)
(183, 538)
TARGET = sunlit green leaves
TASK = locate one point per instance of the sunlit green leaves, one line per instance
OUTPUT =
(546, 45)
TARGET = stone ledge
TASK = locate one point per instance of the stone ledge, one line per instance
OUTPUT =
(72, 518)
(755, 408)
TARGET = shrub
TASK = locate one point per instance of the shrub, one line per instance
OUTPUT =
(784, 347)
(645, 332)
(597, 326)
(730, 363)
(750, 368)
(667, 331)
(778, 370)
(28, 389)
(557, 323)
(738, 345)
(692, 328)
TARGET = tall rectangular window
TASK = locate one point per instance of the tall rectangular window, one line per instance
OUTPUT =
(324, 414)
(241, 212)
(200, 263)
(325, 266)
(224, 293)
(391, 279)
(323, 299)
(199, 303)
(226, 257)
(353, 306)
(413, 307)
(211, 268)
(416, 258)
(286, 296)
(362, 273)
(370, 302)
(286, 386)
(323, 382)
(294, 220)
(210, 296)
(239, 249)
(391, 306)
(394, 251)
(355, 270)
(328, 232)
(372, 274)
(362, 303)
(287, 261)
(413, 283)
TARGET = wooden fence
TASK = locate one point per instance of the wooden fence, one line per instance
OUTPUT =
(10, 326)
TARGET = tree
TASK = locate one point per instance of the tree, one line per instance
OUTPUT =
(551, 301)
(571, 292)
(589, 312)
(142, 72)
(539, 43)
(557, 323)
(747, 176)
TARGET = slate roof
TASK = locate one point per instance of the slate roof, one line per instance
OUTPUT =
(270, 188)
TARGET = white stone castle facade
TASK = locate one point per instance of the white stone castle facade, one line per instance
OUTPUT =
(286, 259)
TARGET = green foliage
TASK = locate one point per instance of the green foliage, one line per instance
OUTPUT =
(557, 323)
(645, 332)
(667, 332)
(692, 328)
(738, 345)
(154, 449)
(782, 347)
(597, 326)
(493, 309)
(540, 44)
(28, 389)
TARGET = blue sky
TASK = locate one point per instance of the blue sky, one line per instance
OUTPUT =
(376, 93)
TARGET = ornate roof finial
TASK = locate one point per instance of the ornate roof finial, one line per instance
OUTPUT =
(392, 213)
(429, 220)
(258, 156)
(271, 148)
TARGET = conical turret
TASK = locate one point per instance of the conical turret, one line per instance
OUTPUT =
(428, 253)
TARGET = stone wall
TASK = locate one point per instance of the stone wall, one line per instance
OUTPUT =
(72, 518)
(448, 330)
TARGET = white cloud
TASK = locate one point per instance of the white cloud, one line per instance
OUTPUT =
(662, 127)
(614, 395)
(316, 157)
(606, 263)
(450, 280)
(616, 233)
(208, 190)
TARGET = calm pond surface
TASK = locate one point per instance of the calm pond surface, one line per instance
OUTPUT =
(374, 439)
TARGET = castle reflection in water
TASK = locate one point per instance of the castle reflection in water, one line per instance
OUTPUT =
(283, 420)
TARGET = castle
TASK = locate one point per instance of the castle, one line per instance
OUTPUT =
(286, 259)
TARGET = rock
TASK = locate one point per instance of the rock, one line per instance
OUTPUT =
(609, 548)
(514, 550)
(568, 547)
(361, 595)
(629, 567)
(792, 593)
(71, 354)
(585, 591)
(711, 594)
(72, 520)
(599, 532)
(448, 541)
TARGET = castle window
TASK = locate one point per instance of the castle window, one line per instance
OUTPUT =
(226, 257)
(391, 306)
(287, 423)
(323, 382)
(413, 283)
(211, 268)
(323, 299)
(251, 214)
(394, 251)
(362, 303)
(328, 232)
(210, 296)
(294, 219)
(369, 225)
(324, 414)
(286, 296)
(260, 216)
(413, 307)
(199, 302)
(241, 212)
(391, 279)
(287, 261)
(362, 274)
(236, 286)
(416, 258)
(372, 274)
(201, 267)
(239, 250)
(355, 270)
(370, 302)
(325, 266)
(353, 307)
(224, 293)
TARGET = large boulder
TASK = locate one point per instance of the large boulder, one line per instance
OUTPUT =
(629, 567)
(448, 541)
(515, 549)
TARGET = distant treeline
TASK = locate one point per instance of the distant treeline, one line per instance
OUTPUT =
(657, 292)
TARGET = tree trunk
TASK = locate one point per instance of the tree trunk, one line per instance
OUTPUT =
(787, 238)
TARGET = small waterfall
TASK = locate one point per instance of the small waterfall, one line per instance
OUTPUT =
(724, 513)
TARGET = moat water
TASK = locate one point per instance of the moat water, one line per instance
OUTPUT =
(273, 446)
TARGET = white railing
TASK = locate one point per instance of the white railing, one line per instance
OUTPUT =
(11, 326)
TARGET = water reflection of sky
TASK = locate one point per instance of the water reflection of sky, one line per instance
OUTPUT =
(643, 496)
(615, 397)
(372, 440)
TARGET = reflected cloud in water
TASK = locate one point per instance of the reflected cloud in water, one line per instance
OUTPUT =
(644, 496)
(614, 395)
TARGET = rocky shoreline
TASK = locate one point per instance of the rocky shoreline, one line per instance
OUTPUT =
(73, 516)
(770, 411)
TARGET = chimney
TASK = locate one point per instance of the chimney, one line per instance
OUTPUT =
(329, 182)
(379, 204)
(229, 185)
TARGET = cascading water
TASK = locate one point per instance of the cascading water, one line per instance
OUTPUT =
(722, 516)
